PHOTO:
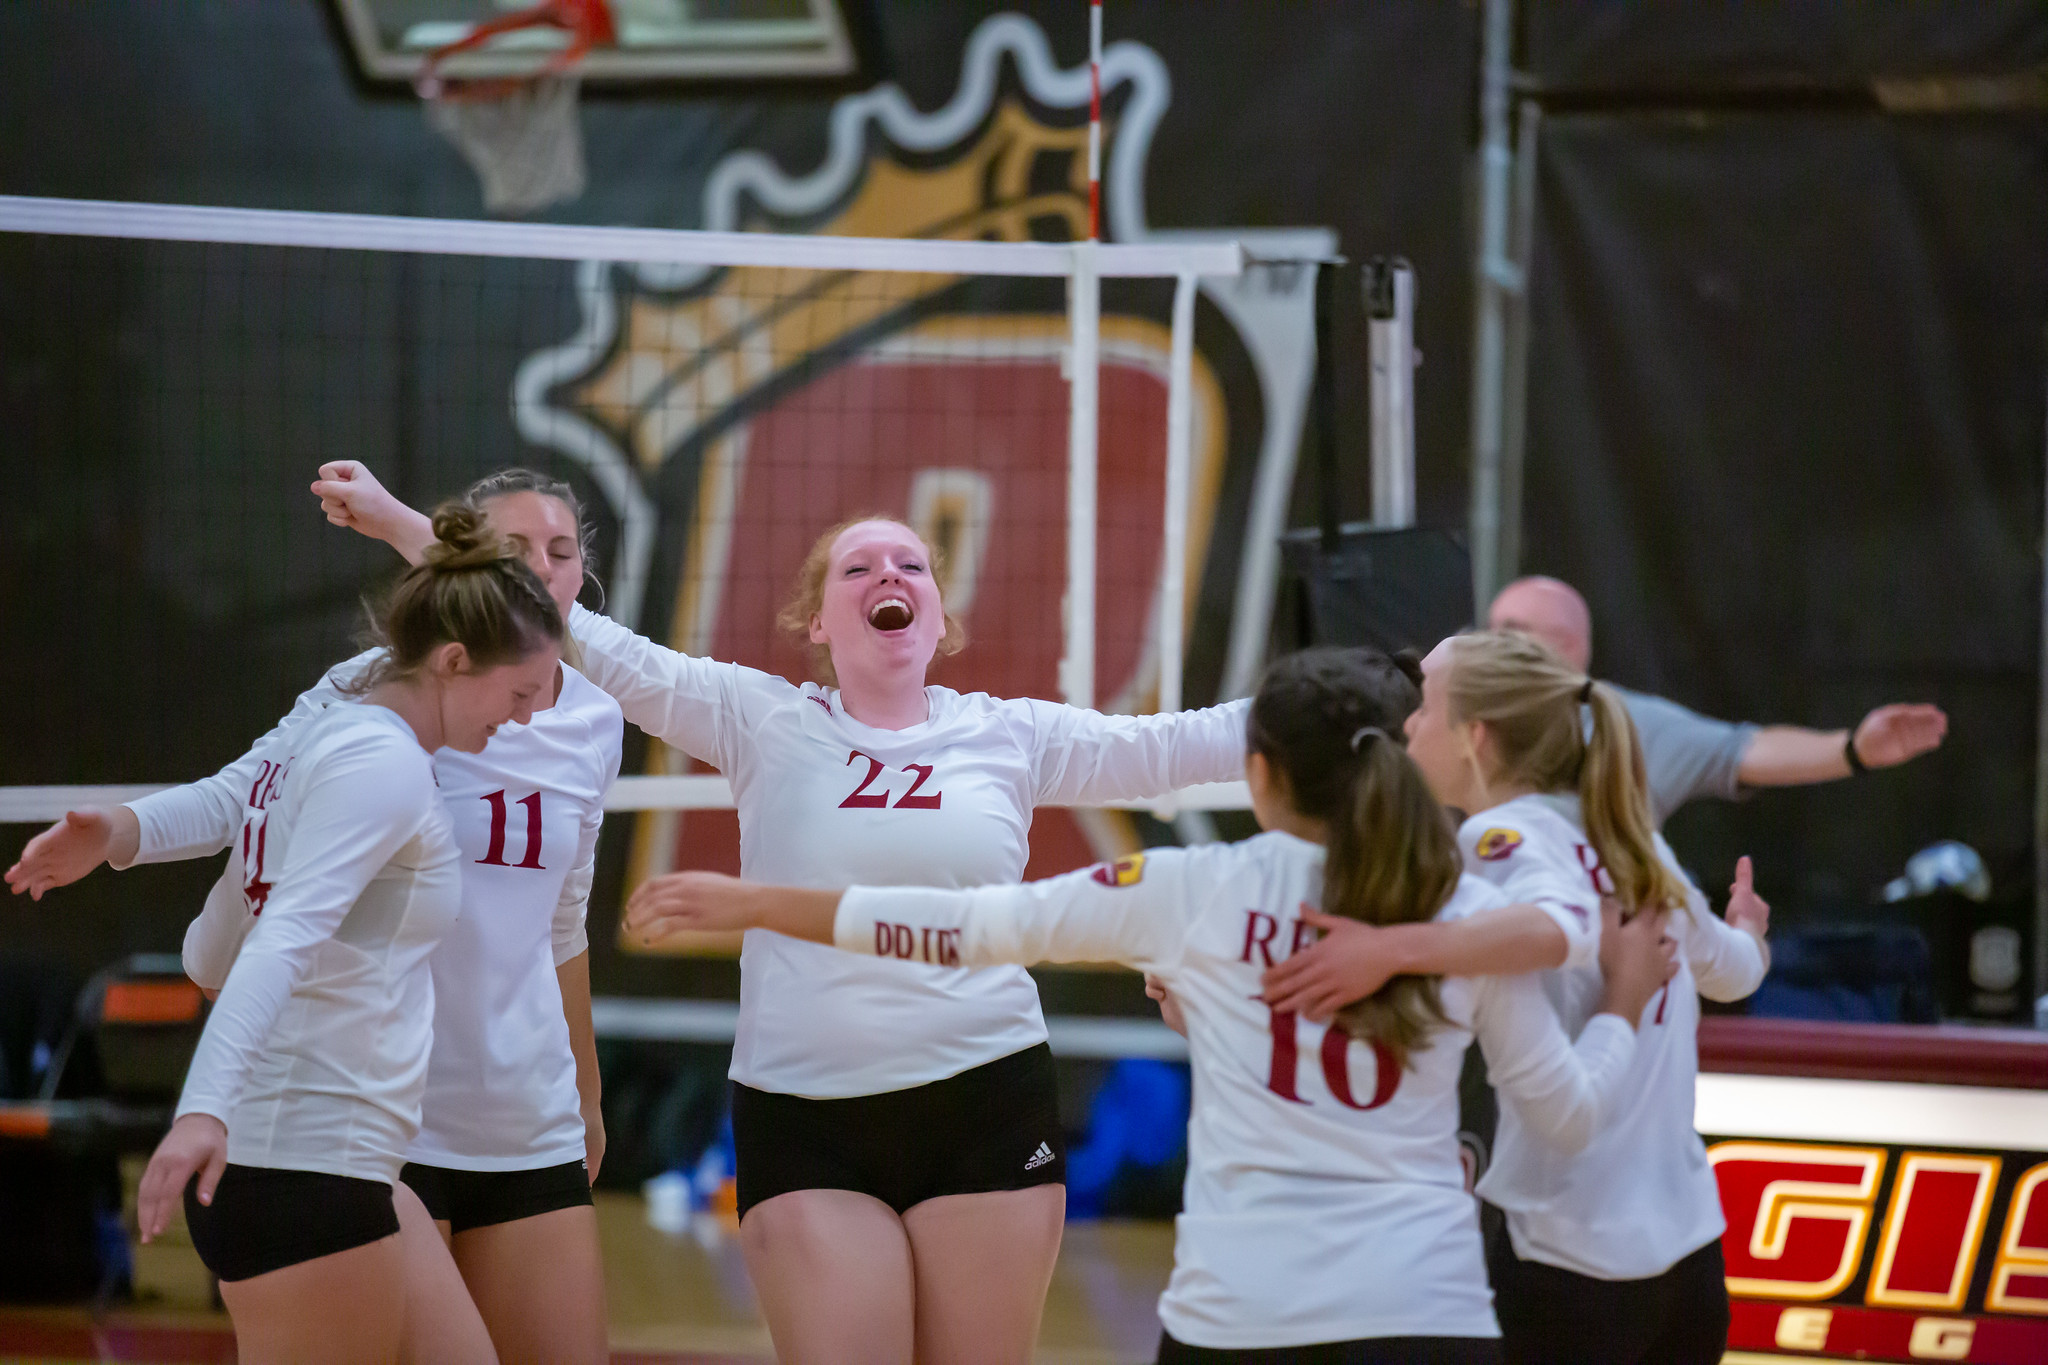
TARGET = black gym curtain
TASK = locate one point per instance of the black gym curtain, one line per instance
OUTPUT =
(1785, 416)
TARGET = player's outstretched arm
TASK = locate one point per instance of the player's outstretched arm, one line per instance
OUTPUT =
(1352, 960)
(74, 846)
(1791, 756)
(686, 902)
(351, 496)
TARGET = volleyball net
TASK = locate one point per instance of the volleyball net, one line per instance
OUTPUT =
(176, 375)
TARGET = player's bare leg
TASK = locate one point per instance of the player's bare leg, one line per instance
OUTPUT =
(833, 1272)
(539, 1284)
(441, 1321)
(984, 1262)
(347, 1308)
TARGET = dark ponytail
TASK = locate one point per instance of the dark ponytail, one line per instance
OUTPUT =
(472, 589)
(1330, 723)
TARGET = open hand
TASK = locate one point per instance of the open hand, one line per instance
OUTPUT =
(1890, 735)
(63, 853)
(684, 902)
(1638, 959)
(1345, 964)
(197, 1143)
(1746, 909)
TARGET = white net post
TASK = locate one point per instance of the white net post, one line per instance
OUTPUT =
(1084, 309)
(1173, 570)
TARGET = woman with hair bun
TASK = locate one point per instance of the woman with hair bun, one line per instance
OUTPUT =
(304, 1094)
(1326, 1217)
(1611, 1256)
(900, 1157)
(511, 1131)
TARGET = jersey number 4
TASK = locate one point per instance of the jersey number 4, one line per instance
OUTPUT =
(1336, 1055)
(863, 799)
(495, 857)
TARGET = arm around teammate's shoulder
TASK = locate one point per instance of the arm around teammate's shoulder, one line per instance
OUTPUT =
(1081, 757)
(1134, 911)
(1565, 1090)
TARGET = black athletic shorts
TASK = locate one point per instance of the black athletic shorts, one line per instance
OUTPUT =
(1368, 1351)
(480, 1199)
(996, 1127)
(263, 1219)
(1551, 1316)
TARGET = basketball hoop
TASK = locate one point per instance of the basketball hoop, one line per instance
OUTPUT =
(519, 133)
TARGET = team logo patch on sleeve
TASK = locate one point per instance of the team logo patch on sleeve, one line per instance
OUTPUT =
(1496, 844)
(1128, 870)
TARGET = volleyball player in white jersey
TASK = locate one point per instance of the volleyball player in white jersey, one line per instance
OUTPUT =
(1326, 1215)
(511, 1134)
(888, 1120)
(304, 1094)
(1612, 1256)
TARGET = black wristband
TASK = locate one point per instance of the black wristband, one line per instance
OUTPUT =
(1857, 767)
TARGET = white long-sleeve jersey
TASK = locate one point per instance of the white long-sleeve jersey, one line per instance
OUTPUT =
(825, 801)
(1640, 1197)
(315, 1055)
(1325, 1198)
(501, 1082)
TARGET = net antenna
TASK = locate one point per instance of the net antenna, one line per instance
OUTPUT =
(519, 133)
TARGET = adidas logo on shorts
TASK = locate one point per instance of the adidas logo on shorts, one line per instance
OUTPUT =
(1039, 1157)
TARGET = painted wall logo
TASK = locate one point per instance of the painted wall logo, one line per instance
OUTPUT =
(730, 415)
(1950, 1264)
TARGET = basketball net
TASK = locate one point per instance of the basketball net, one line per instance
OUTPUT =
(520, 133)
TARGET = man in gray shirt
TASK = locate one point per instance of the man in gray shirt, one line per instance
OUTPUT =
(1691, 755)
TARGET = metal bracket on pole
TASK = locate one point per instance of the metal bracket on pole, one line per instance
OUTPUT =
(1389, 286)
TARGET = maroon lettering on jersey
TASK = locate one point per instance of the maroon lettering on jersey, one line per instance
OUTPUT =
(1259, 931)
(255, 847)
(895, 940)
(1337, 1068)
(1596, 871)
(940, 947)
(910, 800)
(269, 782)
(1280, 1074)
(1304, 932)
(861, 798)
(823, 705)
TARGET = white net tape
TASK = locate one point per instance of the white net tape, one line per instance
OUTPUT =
(525, 143)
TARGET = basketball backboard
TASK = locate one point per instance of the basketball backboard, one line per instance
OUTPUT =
(656, 40)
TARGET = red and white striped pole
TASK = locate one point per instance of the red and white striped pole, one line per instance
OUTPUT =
(1094, 120)
(1084, 312)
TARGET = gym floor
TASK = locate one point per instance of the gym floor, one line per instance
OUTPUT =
(675, 1300)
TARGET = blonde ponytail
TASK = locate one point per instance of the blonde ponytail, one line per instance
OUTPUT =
(1528, 698)
(1615, 805)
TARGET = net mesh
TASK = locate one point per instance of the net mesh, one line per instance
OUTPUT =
(169, 401)
(523, 139)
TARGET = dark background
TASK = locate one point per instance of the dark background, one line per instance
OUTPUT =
(1786, 421)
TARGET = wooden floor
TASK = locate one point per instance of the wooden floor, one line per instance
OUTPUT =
(674, 1300)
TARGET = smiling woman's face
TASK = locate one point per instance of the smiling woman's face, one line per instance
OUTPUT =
(880, 611)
